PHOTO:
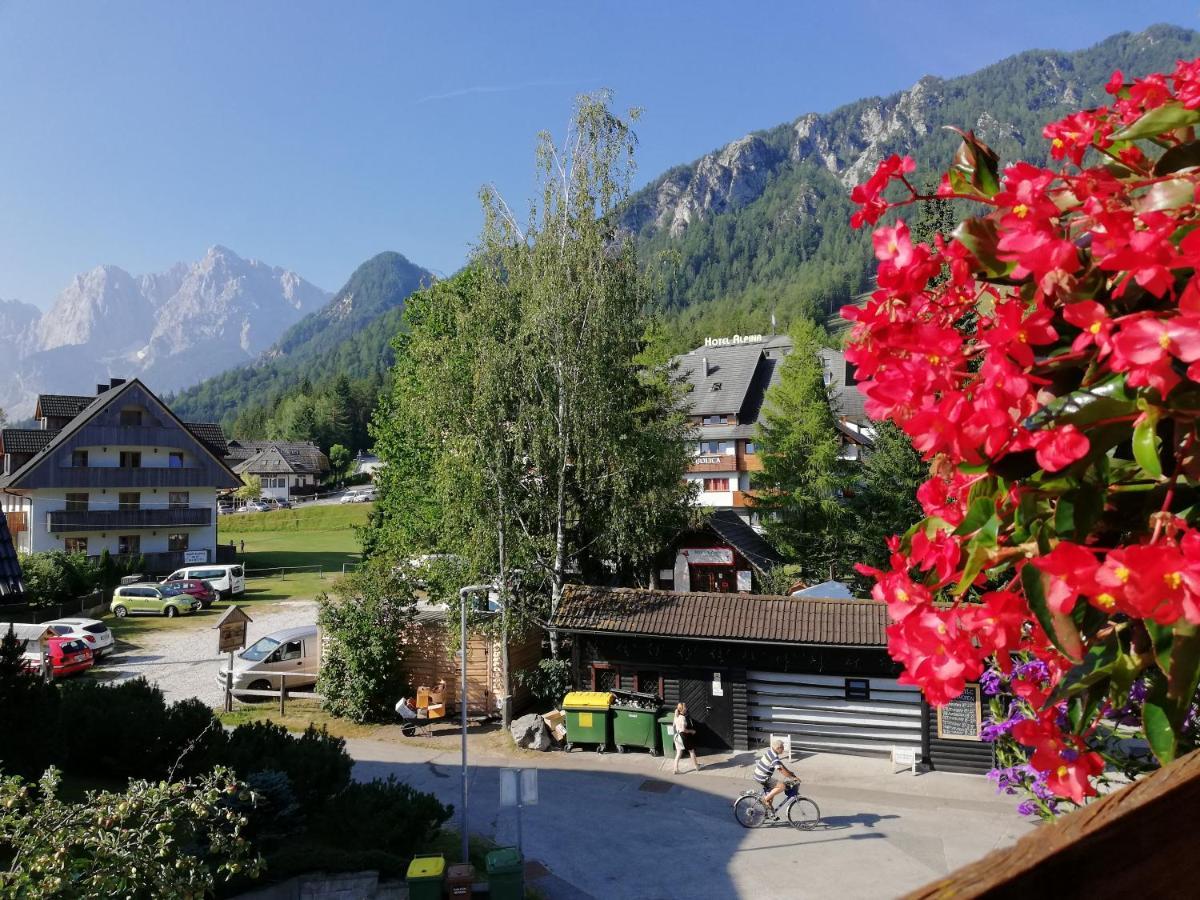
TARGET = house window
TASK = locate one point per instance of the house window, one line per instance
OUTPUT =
(177, 543)
(605, 677)
(858, 689)
(131, 417)
(716, 484)
(710, 448)
(131, 459)
(180, 499)
(175, 461)
(648, 683)
(75, 545)
(77, 502)
(750, 448)
(129, 544)
(79, 459)
(129, 500)
(714, 420)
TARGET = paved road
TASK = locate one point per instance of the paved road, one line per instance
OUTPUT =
(623, 826)
(183, 661)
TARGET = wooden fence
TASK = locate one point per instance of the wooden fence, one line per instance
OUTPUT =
(89, 606)
(1139, 841)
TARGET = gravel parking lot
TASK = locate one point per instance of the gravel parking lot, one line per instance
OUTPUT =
(184, 661)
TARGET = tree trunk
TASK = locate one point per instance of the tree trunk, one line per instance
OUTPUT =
(560, 517)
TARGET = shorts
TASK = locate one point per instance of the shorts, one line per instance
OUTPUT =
(769, 785)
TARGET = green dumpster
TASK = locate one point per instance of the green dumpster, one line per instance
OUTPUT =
(666, 725)
(506, 874)
(635, 718)
(425, 874)
(588, 720)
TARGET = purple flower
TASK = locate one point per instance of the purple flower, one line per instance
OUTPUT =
(1137, 691)
(1027, 808)
(991, 683)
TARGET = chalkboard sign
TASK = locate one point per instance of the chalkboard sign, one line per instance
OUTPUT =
(960, 719)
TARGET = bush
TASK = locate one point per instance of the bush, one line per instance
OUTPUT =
(113, 731)
(316, 764)
(28, 736)
(548, 681)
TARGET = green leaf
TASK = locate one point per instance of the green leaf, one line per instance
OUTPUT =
(1059, 628)
(1097, 665)
(1145, 445)
(979, 551)
(1082, 708)
(978, 163)
(981, 236)
(1183, 156)
(1165, 118)
(1185, 670)
(1163, 638)
(1106, 400)
(1077, 511)
(977, 514)
(1170, 194)
(1159, 732)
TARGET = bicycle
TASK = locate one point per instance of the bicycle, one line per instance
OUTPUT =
(750, 809)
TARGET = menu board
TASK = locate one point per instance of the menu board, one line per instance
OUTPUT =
(961, 718)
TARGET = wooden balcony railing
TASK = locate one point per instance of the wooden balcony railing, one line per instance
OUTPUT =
(715, 463)
(62, 520)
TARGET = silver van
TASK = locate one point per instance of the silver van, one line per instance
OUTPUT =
(227, 580)
(294, 652)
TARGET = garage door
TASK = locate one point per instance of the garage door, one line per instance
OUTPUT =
(833, 713)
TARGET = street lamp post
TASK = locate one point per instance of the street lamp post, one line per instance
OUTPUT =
(462, 703)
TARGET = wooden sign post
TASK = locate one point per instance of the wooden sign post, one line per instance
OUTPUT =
(231, 636)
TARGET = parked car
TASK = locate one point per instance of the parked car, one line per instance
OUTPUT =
(224, 509)
(295, 652)
(227, 580)
(92, 632)
(358, 495)
(151, 599)
(67, 656)
(276, 503)
(201, 590)
(255, 506)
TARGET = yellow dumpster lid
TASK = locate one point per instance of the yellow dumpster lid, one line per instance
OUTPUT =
(427, 867)
(588, 699)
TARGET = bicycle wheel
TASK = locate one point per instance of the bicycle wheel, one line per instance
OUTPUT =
(803, 813)
(749, 811)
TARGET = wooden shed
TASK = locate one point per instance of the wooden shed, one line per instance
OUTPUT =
(431, 655)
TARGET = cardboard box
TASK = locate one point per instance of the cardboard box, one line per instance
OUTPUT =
(556, 722)
(436, 710)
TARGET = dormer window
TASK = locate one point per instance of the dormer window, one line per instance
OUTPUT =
(131, 417)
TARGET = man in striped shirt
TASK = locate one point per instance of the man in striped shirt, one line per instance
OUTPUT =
(764, 774)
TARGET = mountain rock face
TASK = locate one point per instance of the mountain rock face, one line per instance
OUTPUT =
(761, 224)
(171, 329)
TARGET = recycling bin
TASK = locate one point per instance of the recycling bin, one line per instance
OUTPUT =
(506, 874)
(635, 721)
(588, 719)
(460, 879)
(425, 875)
(665, 723)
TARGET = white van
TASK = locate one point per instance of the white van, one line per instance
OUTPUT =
(228, 581)
(295, 652)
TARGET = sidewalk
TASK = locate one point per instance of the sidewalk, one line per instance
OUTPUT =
(622, 825)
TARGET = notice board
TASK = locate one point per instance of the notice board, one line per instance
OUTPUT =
(961, 719)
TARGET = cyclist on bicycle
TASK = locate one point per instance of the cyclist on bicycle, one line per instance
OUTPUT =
(764, 774)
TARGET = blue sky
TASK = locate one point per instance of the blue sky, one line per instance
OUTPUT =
(313, 135)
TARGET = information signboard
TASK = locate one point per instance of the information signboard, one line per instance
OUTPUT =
(961, 719)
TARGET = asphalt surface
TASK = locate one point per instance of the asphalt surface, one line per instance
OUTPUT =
(624, 826)
(183, 661)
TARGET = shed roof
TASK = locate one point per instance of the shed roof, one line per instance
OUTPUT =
(723, 617)
(729, 527)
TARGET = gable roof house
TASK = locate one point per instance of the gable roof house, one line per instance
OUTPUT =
(116, 471)
(727, 381)
(286, 468)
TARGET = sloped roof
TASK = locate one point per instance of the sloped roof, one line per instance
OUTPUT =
(281, 457)
(730, 375)
(24, 440)
(211, 435)
(61, 406)
(12, 588)
(722, 617)
(748, 542)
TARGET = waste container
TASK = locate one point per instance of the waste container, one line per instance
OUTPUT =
(424, 878)
(635, 718)
(588, 720)
(459, 880)
(506, 874)
(665, 725)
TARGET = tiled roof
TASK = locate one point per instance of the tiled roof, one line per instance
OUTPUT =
(279, 457)
(62, 406)
(747, 541)
(209, 434)
(24, 440)
(11, 587)
(730, 617)
(847, 402)
(729, 376)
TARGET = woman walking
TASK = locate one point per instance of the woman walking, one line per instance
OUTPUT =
(685, 737)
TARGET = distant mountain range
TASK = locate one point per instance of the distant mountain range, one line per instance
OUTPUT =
(762, 224)
(172, 328)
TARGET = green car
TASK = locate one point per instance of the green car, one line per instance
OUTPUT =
(150, 598)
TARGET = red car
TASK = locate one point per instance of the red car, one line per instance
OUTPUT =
(67, 656)
(201, 590)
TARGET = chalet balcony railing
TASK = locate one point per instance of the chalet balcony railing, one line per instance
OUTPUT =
(63, 520)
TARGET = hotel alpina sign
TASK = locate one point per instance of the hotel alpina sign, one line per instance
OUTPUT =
(735, 341)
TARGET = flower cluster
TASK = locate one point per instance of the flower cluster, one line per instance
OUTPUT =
(1045, 359)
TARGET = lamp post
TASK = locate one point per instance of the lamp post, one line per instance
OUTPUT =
(462, 702)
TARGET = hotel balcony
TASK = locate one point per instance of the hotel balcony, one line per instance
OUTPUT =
(62, 520)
